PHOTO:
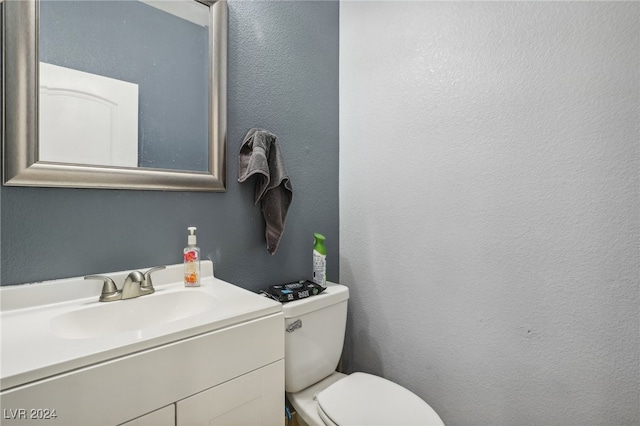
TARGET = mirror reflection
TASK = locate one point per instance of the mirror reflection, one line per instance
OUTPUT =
(124, 83)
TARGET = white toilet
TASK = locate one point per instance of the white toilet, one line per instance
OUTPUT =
(320, 395)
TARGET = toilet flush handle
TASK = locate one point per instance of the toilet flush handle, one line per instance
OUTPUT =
(294, 326)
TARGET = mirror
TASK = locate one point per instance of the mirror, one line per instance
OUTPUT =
(38, 75)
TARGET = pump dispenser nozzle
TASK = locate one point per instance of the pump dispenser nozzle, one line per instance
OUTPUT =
(191, 260)
(191, 239)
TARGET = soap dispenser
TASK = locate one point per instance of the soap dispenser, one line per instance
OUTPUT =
(191, 260)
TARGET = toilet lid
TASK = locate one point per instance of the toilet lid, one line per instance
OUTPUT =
(364, 399)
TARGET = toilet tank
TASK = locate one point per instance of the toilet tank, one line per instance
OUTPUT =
(312, 350)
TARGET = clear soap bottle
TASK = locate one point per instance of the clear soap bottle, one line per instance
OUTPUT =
(191, 260)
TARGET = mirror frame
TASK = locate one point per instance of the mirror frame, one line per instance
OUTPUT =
(20, 86)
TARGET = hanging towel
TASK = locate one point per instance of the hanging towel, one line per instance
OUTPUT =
(260, 155)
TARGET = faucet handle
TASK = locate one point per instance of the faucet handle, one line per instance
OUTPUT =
(147, 284)
(110, 291)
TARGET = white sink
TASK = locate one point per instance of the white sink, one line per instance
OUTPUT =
(99, 320)
(57, 326)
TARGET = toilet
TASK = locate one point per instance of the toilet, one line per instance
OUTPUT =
(321, 396)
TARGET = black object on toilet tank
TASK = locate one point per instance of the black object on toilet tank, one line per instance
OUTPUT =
(292, 291)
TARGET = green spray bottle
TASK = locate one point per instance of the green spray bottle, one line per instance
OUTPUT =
(319, 261)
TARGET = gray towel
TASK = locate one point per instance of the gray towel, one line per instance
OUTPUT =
(260, 155)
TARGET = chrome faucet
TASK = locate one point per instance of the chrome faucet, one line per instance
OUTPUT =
(136, 284)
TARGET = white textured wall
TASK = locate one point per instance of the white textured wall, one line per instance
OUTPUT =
(489, 219)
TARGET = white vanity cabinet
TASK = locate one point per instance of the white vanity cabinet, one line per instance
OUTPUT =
(213, 355)
(237, 371)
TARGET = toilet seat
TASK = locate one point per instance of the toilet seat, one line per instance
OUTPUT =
(364, 399)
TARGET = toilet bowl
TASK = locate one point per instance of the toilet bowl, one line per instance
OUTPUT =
(323, 397)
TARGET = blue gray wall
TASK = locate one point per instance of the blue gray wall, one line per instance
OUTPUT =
(283, 76)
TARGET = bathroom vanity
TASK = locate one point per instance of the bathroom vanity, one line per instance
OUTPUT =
(180, 356)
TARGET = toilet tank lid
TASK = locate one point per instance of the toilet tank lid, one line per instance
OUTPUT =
(334, 293)
(365, 399)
